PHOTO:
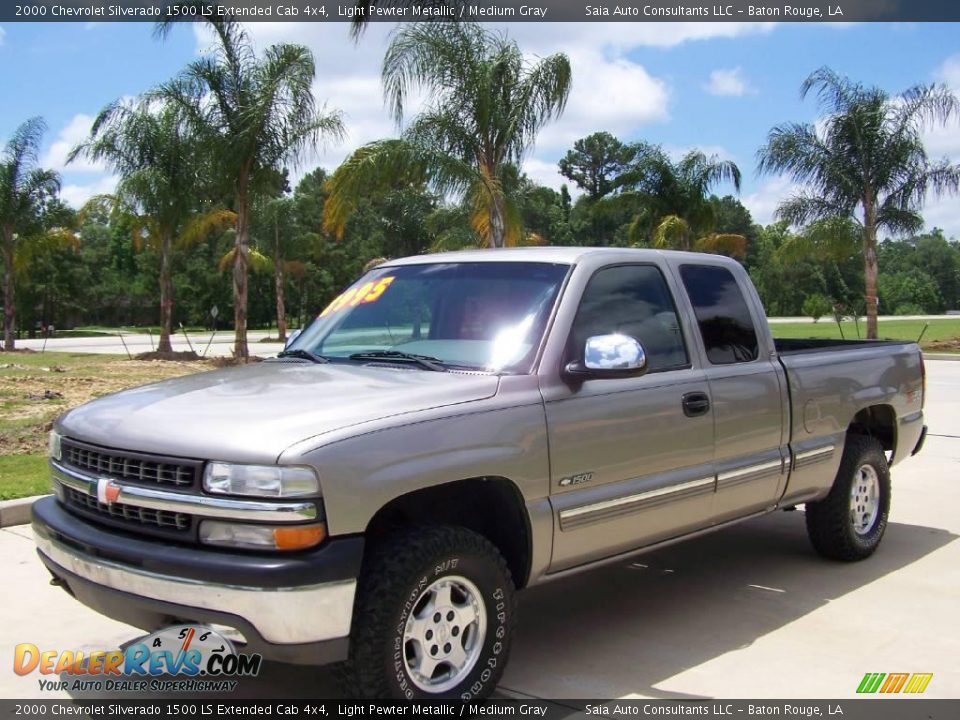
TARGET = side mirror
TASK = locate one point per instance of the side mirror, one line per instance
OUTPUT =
(294, 334)
(610, 356)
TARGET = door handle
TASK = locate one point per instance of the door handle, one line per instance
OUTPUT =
(695, 404)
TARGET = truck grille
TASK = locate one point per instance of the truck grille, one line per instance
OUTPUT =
(128, 514)
(133, 467)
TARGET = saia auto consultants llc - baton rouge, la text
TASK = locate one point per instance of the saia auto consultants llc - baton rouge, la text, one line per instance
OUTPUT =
(712, 11)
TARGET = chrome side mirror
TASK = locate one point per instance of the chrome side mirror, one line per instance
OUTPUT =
(294, 334)
(610, 356)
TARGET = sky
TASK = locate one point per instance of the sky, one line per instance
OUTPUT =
(719, 87)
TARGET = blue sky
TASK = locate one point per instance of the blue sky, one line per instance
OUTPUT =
(720, 87)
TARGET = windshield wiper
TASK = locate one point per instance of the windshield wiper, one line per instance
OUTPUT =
(305, 354)
(424, 361)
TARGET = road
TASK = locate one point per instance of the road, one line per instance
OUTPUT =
(218, 344)
(749, 612)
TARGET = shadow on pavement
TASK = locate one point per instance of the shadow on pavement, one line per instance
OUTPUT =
(691, 603)
(660, 614)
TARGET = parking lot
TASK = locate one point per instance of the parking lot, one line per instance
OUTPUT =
(749, 612)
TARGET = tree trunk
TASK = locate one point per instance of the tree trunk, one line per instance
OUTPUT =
(498, 223)
(240, 271)
(166, 293)
(870, 265)
(278, 283)
(9, 291)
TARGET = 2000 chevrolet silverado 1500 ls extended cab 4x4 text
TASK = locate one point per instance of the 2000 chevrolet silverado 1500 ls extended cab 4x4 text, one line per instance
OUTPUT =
(454, 427)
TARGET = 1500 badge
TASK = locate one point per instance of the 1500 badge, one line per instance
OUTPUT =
(576, 479)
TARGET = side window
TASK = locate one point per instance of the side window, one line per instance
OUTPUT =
(633, 300)
(722, 314)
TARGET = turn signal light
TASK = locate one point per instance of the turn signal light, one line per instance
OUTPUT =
(297, 538)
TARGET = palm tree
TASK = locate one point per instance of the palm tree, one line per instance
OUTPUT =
(25, 189)
(156, 157)
(865, 161)
(253, 114)
(485, 106)
(278, 218)
(674, 195)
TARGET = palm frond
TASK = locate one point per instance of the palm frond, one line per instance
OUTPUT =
(256, 261)
(199, 227)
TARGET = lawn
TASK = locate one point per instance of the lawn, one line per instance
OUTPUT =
(938, 333)
(23, 476)
(37, 387)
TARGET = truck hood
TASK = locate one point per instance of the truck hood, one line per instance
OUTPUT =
(253, 413)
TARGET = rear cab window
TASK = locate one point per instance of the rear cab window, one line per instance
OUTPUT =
(723, 316)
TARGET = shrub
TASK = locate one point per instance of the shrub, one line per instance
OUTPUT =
(816, 306)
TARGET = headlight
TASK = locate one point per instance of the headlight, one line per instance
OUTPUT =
(260, 480)
(261, 537)
(53, 445)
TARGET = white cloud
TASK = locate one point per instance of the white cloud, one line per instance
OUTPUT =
(73, 133)
(611, 90)
(547, 173)
(76, 195)
(3, 34)
(763, 202)
(609, 93)
(728, 83)
(949, 73)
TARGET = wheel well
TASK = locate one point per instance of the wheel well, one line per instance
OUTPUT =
(877, 421)
(491, 506)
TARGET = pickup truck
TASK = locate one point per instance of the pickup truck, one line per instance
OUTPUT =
(453, 428)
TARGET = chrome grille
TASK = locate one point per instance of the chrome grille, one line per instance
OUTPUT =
(133, 467)
(163, 519)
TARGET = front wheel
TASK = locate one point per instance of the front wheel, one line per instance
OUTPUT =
(849, 523)
(433, 618)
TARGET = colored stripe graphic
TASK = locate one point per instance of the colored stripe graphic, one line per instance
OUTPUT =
(918, 682)
(914, 683)
(870, 682)
(894, 682)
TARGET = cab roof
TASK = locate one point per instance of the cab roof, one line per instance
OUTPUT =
(564, 255)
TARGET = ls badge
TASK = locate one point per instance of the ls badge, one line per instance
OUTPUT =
(576, 479)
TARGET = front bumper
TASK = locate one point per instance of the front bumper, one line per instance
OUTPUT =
(295, 608)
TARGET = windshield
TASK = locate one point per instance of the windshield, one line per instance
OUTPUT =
(485, 316)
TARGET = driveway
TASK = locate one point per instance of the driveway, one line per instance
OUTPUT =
(749, 612)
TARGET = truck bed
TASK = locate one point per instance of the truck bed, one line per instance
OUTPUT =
(827, 378)
(793, 346)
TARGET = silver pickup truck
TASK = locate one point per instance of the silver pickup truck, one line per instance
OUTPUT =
(453, 428)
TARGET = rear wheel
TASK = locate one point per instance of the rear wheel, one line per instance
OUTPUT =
(433, 617)
(849, 523)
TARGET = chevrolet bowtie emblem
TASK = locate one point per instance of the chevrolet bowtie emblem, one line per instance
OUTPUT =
(107, 491)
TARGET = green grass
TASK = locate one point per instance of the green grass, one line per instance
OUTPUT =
(23, 476)
(893, 329)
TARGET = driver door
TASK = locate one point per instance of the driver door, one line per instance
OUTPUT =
(631, 458)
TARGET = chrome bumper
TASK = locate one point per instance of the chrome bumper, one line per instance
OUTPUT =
(282, 616)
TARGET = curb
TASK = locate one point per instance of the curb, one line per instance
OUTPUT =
(16, 512)
(941, 356)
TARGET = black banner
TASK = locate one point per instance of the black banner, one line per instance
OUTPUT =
(481, 10)
(874, 709)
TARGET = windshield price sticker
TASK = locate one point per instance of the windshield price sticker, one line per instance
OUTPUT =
(361, 295)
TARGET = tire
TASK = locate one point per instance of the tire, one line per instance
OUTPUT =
(411, 580)
(849, 523)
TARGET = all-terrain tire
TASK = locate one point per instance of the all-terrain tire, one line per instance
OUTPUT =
(839, 527)
(395, 591)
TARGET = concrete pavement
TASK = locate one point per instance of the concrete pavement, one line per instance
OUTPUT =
(747, 612)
